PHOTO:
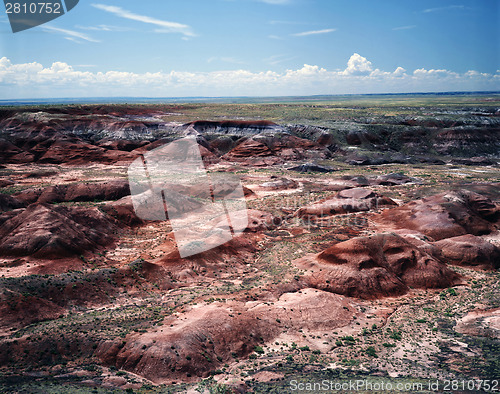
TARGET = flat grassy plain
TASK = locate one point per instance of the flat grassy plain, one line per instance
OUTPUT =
(323, 111)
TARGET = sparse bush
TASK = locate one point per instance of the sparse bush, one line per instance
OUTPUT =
(371, 351)
(396, 335)
(258, 349)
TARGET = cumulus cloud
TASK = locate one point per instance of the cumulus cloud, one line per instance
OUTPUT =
(358, 65)
(422, 72)
(399, 72)
(33, 80)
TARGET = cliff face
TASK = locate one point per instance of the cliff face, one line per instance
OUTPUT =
(468, 141)
(236, 127)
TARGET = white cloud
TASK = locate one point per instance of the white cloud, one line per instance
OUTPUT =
(432, 73)
(358, 65)
(103, 28)
(451, 7)
(313, 32)
(70, 34)
(32, 80)
(399, 72)
(165, 26)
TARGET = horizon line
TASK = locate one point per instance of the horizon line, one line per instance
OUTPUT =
(109, 99)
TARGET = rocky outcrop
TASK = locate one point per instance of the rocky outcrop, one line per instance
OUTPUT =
(78, 153)
(362, 137)
(311, 167)
(235, 127)
(21, 310)
(8, 202)
(13, 154)
(379, 159)
(261, 150)
(468, 141)
(105, 191)
(249, 148)
(480, 322)
(122, 145)
(123, 210)
(475, 161)
(444, 215)
(279, 184)
(469, 251)
(382, 265)
(345, 201)
(206, 337)
(261, 221)
(46, 231)
(394, 179)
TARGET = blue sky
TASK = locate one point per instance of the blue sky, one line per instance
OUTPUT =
(254, 47)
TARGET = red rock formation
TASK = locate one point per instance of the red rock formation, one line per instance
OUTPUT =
(444, 215)
(201, 340)
(345, 201)
(381, 265)
(421, 241)
(106, 191)
(6, 182)
(261, 221)
(10, 153)
(238, 250)
(393, 179)
(471, 141)
(249, 148)
(79, 152)
(272, 150)
(123, 145)
(484, 323)
(279, 184)
(17, 310)
(46, 231)
(470, 251)
(123, 211)
(8, 202)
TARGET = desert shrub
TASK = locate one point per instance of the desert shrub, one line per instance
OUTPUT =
(371, 351)
(258, 349)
